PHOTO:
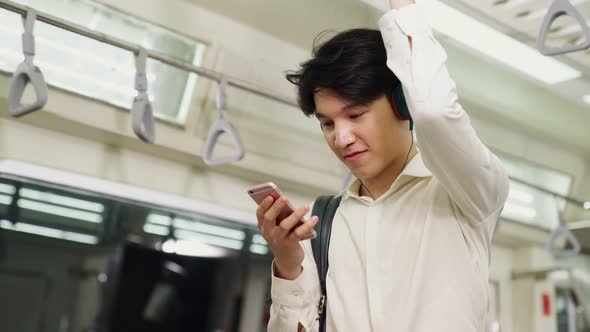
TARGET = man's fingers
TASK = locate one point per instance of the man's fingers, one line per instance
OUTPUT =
(261, 210)
(288, 223)
(305, 230)
(310, 236)
(270, 216)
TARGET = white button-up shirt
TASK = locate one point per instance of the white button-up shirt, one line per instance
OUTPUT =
(417, 258)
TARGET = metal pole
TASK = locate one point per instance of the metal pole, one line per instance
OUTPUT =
(204, 72)
(543, 190)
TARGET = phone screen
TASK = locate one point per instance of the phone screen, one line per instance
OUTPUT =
(260, 193)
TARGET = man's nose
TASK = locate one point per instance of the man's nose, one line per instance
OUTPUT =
(343, 137)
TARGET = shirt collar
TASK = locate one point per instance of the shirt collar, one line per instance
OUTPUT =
(415, 168)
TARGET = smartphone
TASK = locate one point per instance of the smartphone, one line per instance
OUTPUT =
(261, 191)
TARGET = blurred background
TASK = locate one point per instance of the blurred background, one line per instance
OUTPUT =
(102, 232)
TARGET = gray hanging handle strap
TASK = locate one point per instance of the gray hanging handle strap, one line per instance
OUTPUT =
(557, 9)
(221, 96)
(142, 115)
(27, 72)
(563, 231)
(219, 127)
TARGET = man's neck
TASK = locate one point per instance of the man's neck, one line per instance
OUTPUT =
(378, 185)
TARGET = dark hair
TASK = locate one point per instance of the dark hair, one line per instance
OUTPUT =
(353, 64)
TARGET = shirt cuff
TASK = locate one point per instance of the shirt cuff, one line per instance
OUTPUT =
(410, 19)
(291, 293)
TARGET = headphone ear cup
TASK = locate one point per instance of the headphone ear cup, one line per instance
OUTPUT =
(400, 102)
(401, 105)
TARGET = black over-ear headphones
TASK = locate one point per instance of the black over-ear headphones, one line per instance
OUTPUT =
(401, 105)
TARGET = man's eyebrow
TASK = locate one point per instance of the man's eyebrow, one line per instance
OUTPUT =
(346, 108)
(320, 116)
(352, 106)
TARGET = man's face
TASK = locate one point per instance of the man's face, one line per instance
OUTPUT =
(366, 138)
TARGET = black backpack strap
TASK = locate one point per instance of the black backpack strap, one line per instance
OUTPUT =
(325, 208)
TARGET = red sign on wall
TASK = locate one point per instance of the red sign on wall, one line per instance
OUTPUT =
(546, 305)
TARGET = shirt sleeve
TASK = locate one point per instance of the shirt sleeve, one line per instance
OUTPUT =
(296, 301)
(472, 175)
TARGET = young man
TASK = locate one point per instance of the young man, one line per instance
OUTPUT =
(411, 240)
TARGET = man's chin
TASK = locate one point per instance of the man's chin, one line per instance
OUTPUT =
(361, 174)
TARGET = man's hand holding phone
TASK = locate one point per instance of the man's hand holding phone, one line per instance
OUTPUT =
(284, 235)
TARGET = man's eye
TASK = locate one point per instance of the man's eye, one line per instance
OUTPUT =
(356, 116)
(326, 124)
